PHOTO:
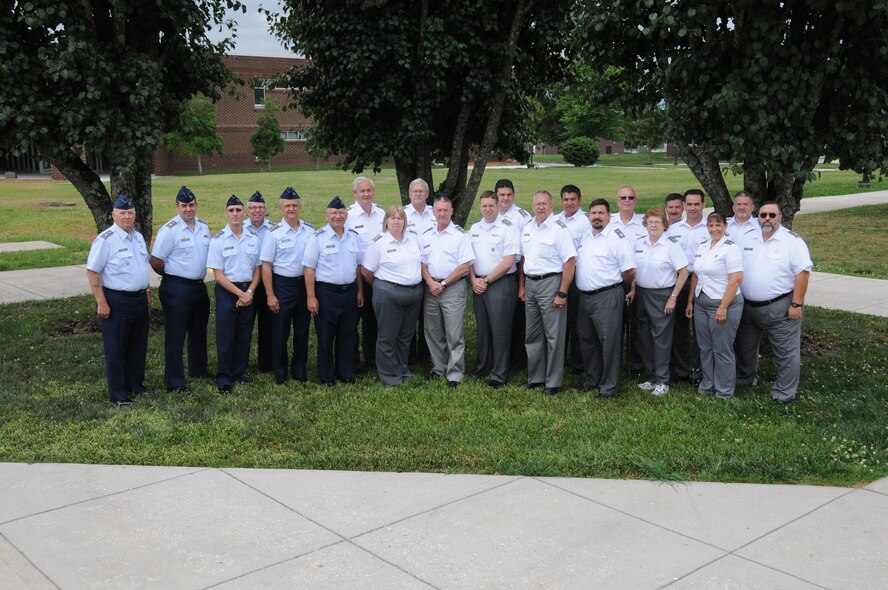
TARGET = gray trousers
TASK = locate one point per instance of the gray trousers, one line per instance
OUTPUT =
(685, 352)
(397, 309)
(493, 320)
(655, 332)
(785, 336)
(717, 361)
(599, 323)
(545, 332)
(444, 316)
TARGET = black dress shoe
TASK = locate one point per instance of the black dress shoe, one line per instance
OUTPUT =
(452, 384)
(280, 381)
(588, 388)
(434, 375)
(225, 389)
(495, 384)
(242, 381)
(183, 389)
(550, 391)
(144, 393)
(125, 403)
(533, 385)
(606, 395)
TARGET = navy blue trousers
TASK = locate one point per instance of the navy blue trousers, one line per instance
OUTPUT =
(290, 292)
(186, 311)
(125, 336)
(336, 330)
(234, 333)
(264, 355)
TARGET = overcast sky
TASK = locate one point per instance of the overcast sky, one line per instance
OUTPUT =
(253, 37)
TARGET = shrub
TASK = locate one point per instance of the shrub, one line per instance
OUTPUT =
(580, 151)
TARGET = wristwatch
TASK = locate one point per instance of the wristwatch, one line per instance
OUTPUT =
(443, 282)
(486, 281)
(794, 304)
(250, 291)
(561, 294)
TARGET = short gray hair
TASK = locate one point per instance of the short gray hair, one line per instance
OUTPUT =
(361, 179)
(424, 184)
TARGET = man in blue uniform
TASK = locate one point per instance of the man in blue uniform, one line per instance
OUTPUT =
(335, 292)
(179, 256)
(117, 271)
(260, 226)
(284, 279)
(234, 258)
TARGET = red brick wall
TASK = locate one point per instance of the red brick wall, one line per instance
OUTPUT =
(236, 120)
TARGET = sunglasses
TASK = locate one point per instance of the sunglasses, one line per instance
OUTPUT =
(767, 215)
(626, 198)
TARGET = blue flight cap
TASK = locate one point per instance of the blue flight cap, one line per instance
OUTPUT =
(290, 193)
(336, 203)
(233, 200)
(185, 195)
(257, 198)
(123, 202)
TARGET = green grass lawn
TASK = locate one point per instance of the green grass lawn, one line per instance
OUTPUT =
(26, 213)
(54, 408)
(847, 241)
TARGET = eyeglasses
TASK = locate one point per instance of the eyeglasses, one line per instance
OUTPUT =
(768, 214)
(627, 198)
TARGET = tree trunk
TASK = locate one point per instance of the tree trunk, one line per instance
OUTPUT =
(199, 165)
(650, 161)
(708, 172)
(88, 184)
(137, 185)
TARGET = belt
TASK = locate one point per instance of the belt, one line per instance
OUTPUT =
(400, 285)
(541, 277)
(602, 290)
(139, 293)
(242, 285)
(768, 302)
(334, 286)
(285, 278)
(177, 278)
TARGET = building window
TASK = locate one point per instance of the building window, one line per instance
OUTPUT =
(259, 97)
(293, 135)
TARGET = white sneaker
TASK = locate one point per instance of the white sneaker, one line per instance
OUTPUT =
(646, 386)
(661, 389)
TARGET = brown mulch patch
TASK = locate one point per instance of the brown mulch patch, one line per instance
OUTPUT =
(93, 325)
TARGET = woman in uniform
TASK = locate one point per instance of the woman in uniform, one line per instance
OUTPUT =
(718, 272)
(662, 269)
(393, 265)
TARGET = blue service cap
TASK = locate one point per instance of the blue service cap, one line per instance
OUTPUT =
(290, 193)
(257, 198)
(185, 195)
(336, 203)
(233, 200)
(123, 202)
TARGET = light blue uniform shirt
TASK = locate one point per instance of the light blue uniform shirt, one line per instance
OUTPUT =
(183, 250)
(285, 248)
(262, 232)
(237, 258)
(334, 259)
(120, 259)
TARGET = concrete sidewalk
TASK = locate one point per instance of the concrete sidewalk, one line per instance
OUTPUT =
(87, 526)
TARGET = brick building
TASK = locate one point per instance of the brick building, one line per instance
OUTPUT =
(236, 120)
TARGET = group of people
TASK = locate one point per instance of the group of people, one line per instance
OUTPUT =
(563, 288)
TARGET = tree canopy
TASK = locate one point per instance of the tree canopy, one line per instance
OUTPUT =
(108, 75)
(196, 133)
(267, 141)
(422, 81)
(768, 87)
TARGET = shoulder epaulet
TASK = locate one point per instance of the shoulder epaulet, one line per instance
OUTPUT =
(750, 230)
(377, 237)
(172, 222)
(273, 226)
(219, 234)
(673, 239)
(506, 221)
(199, 220)
(524, 212)
(319, 232)
(561, 223)
(730, 242)
(619, 233)
(413, 231)
(308, 225)
(375, 206)
(461, 229)
(106, 234)
(792, 233)
(428, 229)
(352, 231)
